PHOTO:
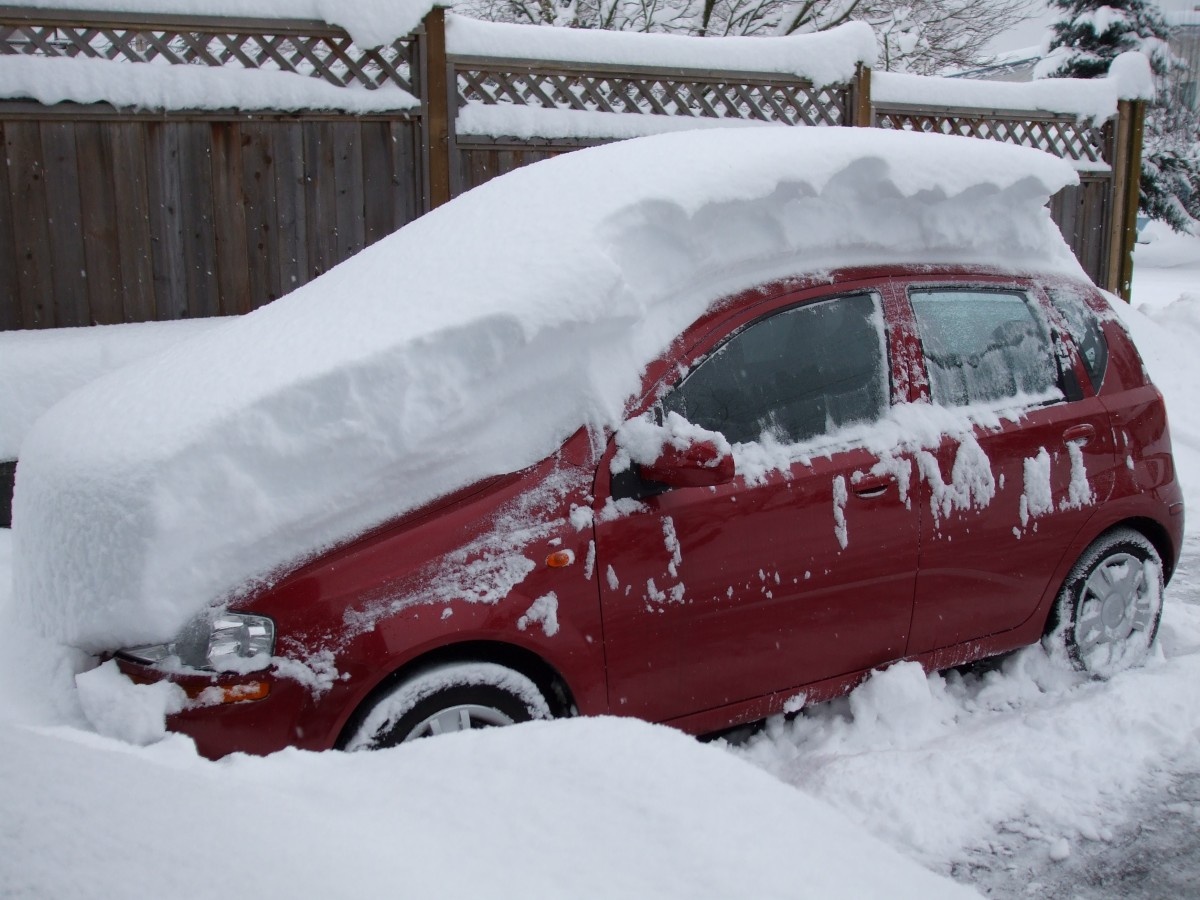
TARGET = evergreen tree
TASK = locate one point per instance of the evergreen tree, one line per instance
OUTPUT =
(1089, 35)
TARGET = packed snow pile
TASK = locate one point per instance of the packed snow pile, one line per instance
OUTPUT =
(39, 368)
(470, 343)
(585, 808)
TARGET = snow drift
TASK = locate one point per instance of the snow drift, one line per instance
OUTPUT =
(469, 343)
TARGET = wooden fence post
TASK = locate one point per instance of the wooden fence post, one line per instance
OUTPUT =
(1127, 174)
(861, 114)
(435, 108)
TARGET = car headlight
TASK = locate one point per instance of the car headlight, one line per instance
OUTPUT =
(230, 642)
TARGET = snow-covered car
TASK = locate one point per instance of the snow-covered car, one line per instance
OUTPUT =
(698, 428)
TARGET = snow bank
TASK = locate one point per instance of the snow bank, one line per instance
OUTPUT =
(406, 372)
(165, 86)
(39, 368)
(937, 765)
(827, 57)
(588, 808)
(370, 23)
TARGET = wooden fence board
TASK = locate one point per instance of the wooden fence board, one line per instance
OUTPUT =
(166, 219)
(320, 198)
(199, 238)
(348, 178)
(69, 268)
(291, 228)
(229, 219)
(98, 203)
(131, 188)
(10, 291)
(34, 264)
(379, 190)
(406, 171)
(258, 188)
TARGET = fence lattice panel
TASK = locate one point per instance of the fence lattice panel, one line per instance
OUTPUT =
(674, 94)
(1064, 137)
(319, 51)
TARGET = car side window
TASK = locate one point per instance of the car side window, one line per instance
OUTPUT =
(982, 346)
(795, 375)
(1087, 331)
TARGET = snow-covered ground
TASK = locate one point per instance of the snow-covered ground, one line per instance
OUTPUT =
(1012, 777)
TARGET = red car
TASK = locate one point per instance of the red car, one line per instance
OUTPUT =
(938, 465)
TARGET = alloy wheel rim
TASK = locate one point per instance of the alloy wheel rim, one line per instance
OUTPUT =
(1116, 602)
(464, 717)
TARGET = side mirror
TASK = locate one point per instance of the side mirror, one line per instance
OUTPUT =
(699, 463)
(675, 453)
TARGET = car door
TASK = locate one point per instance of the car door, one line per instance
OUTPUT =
(802, 567)
(1002, 499)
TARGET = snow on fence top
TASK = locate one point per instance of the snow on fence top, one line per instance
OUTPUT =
(370, 23)
(57, 80)
(827, 57)
(467, 344)
(1096, 99)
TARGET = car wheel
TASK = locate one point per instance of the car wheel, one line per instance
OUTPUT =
(451, 697)
(1106, 616)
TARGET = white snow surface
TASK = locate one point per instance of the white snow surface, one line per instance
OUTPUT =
(40, 367)
(1129, 78)
(527, 122)
(370, 23)
(375, 388)
(165, 86)
(1016, 770)
(826, 57)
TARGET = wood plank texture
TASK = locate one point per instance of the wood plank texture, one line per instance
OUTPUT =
(258, 189)
(165, 195)
(98, 204)
(348, 178)
(320, 198)
(291, 230)
(127, 142)
(10, 292)
(229, 219)
(199, 238)
(31, 226)
(69, 263)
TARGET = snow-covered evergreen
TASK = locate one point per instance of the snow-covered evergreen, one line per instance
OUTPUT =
(1086, 39)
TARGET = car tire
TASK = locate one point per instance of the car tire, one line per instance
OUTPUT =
(449, 697)
(1106, 616)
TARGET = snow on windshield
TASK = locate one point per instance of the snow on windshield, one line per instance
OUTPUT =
(470, 343)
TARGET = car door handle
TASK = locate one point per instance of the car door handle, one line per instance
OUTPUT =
(871, 485)
(1079, 434)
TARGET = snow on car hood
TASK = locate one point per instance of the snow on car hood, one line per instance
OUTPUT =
(469, 343)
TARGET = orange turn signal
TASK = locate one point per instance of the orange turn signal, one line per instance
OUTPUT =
(240, 693)
(560, 558)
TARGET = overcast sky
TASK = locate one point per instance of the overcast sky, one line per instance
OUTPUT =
(1031, 33)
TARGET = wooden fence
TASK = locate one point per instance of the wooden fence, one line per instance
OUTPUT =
(119, 215)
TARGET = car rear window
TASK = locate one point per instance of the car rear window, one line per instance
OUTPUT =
(1085, 328)
(983, 346)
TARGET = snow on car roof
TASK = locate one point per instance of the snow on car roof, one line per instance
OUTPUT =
(469, 343)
